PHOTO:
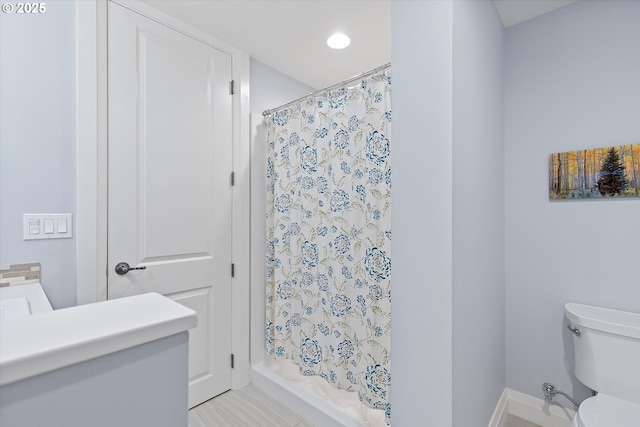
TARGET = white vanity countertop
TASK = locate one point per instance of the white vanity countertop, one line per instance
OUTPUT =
(45, 341)
(33, 292)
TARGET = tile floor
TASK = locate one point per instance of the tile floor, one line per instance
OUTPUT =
(250, 407)
(246, 407)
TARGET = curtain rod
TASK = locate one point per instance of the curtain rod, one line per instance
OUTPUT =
(327, 89)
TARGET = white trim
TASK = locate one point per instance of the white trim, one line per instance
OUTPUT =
(175, 24)
(531, 409)
(91, 152)
(258, 236)
(91, 160)
(241, 214)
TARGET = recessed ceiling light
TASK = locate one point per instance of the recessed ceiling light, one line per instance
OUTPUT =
(338, 41)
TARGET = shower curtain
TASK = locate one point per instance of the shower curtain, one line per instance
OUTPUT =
(329, 238)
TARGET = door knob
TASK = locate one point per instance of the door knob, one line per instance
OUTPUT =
(123, 268)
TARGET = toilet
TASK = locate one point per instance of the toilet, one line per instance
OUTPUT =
(607, 360)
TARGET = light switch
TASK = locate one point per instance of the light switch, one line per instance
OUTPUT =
(34, 226)
(48, 226)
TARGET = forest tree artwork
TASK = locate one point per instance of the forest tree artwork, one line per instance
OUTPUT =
(595, 173)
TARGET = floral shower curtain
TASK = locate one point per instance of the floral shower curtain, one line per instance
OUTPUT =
(329, 238)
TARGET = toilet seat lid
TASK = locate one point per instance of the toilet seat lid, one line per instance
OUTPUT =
(606, 411)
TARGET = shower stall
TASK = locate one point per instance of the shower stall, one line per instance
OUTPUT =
(320, 290)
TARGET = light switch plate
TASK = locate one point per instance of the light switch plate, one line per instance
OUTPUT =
(47, 226)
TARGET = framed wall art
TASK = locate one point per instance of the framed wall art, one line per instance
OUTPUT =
(595, 173)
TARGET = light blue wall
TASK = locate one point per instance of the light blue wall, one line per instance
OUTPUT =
(572, 81)
(271, 89)
(421, 213)
(478, 212)
(448, 347)
(38, 139)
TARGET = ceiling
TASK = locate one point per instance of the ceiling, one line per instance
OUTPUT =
(513, 12)
(290, 36)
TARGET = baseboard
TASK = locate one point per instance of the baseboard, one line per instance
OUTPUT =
(530, 408)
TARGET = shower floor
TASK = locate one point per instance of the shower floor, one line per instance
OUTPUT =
(248, 406)
(513, 421)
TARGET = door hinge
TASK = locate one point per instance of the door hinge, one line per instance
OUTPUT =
(233, 178)
(233, 270)
(232, 361)
(232, 88)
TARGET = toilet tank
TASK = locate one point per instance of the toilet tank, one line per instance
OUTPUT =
(607, 351)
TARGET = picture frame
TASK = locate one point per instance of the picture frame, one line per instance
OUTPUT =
(596, 173)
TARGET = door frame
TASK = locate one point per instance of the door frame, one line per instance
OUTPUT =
(91, 167)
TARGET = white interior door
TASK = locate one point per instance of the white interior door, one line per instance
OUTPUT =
(170, 160)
